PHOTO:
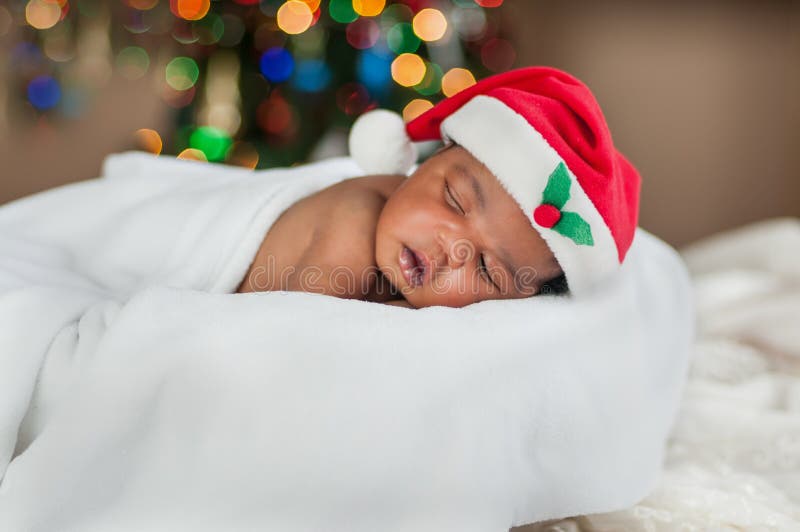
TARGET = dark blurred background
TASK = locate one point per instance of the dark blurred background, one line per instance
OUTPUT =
(703, 97)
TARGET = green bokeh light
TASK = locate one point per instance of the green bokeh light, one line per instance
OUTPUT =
(432, 81)
(342, 11)
(209, 29)
(133, 62)
(212, 141)
(402, 39)
(182, 73)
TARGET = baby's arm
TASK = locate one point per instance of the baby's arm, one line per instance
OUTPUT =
(399, 303)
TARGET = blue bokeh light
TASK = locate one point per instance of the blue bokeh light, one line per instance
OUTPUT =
(312, 76)
(44, 92)
(277, 64)
(374, 68)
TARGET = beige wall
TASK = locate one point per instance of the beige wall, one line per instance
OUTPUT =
(704, 99)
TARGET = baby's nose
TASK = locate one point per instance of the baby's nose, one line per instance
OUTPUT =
(457, 250)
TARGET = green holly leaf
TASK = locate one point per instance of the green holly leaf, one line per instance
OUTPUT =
(556, 192)
(572, 226)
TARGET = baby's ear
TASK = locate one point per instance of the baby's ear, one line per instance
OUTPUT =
(446, 146)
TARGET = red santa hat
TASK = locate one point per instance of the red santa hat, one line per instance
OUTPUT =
(541, 133)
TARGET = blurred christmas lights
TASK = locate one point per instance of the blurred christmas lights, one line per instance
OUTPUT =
(248, 75)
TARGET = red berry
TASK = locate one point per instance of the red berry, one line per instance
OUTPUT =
(546, 215)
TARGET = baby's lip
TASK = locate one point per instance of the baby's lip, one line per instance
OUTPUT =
(413, 265)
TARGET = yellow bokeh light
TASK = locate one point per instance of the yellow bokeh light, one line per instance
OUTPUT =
(313, 5)
(408, 69)
(294, 17)
(149, 140)
(429, 24)
(242, 154)
(41, 14)
(190, 9)
(192, 154)
(456, 80)
(414, 108)
(369, 8)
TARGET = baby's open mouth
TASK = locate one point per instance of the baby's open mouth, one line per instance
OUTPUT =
(412, 266)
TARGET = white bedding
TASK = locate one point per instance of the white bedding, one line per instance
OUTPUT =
(733, 461)
(137, 393)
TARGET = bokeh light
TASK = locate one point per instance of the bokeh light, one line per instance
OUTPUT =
(242, 154)
(456, 80)
(276, 64)
(209, 30)
(190, 9)
(133, 62)
(42, 14)
(368, 8)
(275, 116)
(430, 24)
(233, 30)
(469, 23)
(352, 98)
(44, 92)
(342, 11)
(431, 82)
(182, 73)
(363, 33)
(149, 140)
(408, 69)
(212, 141)
(59, 43)
(414, 108)
(312, 75)
(396, 13)
(310, 44)
(373, 68)
(313, 5)
(184, 32)
(498, 55)
(401, 38)
(192, 154)
(286, 62)
(294, 17)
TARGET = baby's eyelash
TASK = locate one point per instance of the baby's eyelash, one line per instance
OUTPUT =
(452, 199)
(484, 270)
(482, 263)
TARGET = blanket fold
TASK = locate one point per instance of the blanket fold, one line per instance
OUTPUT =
(154, 399)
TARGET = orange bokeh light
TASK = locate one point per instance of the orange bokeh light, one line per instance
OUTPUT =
(414, 108)
(456, 80)
(41, 14)
(192, 154)
(429, 24)
(149, 140)
(313, 5)
(369, 8)
(190, 9)
(408, 69)
(294, 17)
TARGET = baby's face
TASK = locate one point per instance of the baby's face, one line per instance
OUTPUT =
(451, 235)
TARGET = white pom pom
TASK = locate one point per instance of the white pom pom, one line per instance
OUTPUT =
(380, 145)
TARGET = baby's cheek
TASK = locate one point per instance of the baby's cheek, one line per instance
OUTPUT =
(456, 289)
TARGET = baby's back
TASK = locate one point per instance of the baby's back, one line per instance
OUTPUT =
(325, 243)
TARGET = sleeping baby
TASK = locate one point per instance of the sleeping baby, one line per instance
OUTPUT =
(527, 196)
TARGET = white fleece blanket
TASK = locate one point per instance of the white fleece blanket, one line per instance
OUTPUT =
(733, 458)
(138, 393)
